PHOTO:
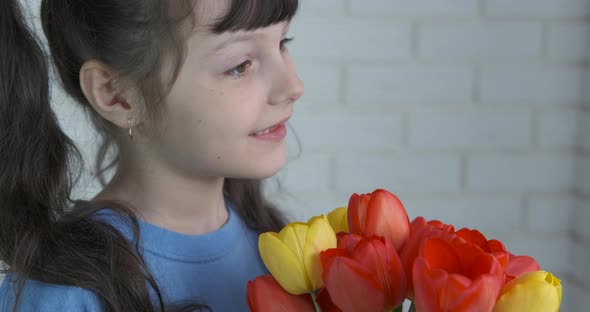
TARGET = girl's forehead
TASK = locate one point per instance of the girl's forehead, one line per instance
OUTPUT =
(204, 15)
(219, 16)
(207, 13)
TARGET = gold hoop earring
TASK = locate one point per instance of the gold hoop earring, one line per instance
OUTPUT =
(130, 129)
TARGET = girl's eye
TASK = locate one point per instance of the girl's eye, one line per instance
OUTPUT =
(284, 42)
(240, 70)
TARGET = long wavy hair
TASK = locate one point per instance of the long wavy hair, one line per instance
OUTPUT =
(45, 235)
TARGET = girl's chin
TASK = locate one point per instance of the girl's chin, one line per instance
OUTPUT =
(255, 164)
(268, 166)
(270, 171)
(260, 174)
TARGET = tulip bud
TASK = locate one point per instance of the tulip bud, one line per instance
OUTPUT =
(380, 213)
(538, 291)
(293, 255)
(364, 274)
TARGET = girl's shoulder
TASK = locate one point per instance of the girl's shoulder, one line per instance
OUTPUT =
(43, 297)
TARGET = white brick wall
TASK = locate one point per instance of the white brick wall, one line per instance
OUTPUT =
(469, 110)
(542, 85)
(520, 173)
(565, 135)
(383, 85)
(364, 129)
(416, 8)
(405, 174)
(550, 9)
(448, 129)
(382, 36)
(569, 42)
(581, 225)
(488, 41)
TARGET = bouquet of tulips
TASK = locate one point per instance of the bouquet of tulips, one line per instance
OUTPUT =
(369, 257)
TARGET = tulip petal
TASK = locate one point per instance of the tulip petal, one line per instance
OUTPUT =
(398, 277)
(480, 285)
(357, 212)
(440, 255)
(420, 231)
(283, 264)
(264, 294)
(469, 254)
(361, 292)
(518, 265)
(426, 283)
(339, 219)
(492, 246)
(435, 290)
(320, 236)
(463, 294)
(378, 256)
(472, 236)
(370, 252)
(349, 241)
(496, 246)
(387, 217)
(294, 236)
(327, 256)
(456, 276)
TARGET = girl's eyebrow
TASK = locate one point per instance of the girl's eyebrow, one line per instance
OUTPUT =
(241, 37)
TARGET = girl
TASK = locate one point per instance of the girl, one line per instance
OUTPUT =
(191, 97)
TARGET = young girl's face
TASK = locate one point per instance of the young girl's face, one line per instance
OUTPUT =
(231, 87)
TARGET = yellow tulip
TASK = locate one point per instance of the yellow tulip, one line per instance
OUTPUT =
(293, 255)
(537, 291)
(339, 219)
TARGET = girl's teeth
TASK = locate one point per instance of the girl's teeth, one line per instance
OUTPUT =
(267, 131)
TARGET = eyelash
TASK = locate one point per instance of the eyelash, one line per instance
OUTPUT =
(240, 70)
(285, 42)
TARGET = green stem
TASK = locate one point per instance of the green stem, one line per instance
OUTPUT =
(314, 295)
(412, 307)
(400, 308)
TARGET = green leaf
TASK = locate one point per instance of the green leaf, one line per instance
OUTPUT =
(412, 307)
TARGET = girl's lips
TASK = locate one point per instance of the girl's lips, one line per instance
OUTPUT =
(275, 133)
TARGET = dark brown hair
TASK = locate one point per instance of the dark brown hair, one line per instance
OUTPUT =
(46, 235)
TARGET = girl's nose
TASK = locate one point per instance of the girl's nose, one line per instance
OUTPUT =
(287, 87)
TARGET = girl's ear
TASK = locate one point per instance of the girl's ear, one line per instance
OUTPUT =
(111, 96)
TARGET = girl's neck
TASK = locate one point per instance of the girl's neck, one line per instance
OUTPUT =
(169, 200)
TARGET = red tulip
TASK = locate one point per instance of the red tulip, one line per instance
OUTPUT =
(455, 275)
(514, 266)
(364, 274)
(492, 246)
(264, 294)
(420, 231)
(380, 213)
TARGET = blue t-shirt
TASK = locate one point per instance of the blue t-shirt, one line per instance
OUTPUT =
(211, 269)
